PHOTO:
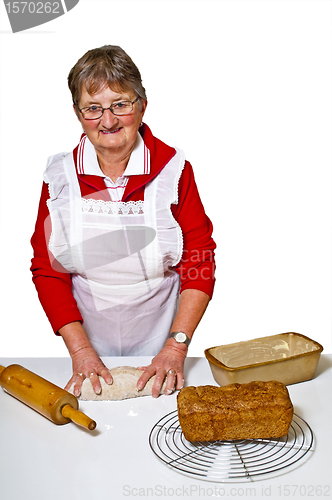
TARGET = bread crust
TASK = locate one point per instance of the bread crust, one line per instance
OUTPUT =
(257, 410)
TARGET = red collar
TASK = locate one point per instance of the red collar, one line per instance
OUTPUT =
(160, 155)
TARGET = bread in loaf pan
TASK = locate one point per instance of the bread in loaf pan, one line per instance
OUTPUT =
(256, 410)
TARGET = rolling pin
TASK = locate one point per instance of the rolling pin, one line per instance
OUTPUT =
(48, 399)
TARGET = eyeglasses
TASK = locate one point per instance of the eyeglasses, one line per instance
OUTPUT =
(119, 108)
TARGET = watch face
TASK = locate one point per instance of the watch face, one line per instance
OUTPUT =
(181, 337)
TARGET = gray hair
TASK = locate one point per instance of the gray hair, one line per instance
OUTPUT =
(108, 66)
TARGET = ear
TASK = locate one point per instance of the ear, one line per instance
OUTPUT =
(144, 104)
(78, 116)
(76, 112)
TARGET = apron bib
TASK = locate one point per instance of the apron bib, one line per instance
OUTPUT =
(121, 256)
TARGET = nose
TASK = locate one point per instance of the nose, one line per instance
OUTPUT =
(108, 119)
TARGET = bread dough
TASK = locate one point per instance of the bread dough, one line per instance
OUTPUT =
(124, 386)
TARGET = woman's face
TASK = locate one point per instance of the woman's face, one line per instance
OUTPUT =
(110, 133)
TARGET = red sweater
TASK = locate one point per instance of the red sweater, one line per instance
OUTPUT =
(196, 268)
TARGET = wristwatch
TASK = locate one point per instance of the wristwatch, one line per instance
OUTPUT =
(181, 338)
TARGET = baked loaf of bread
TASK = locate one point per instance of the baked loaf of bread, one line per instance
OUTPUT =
(236, 411)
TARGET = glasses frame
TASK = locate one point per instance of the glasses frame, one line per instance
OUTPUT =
(110, 108)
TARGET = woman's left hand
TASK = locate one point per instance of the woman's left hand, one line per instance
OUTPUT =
(170, 360)
(167, 364)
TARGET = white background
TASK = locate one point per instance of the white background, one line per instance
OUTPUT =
(244, 88)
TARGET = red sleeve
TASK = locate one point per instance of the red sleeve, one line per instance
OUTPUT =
(54, 288)
(197, 266)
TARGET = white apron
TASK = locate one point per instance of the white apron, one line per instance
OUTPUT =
(121, 256)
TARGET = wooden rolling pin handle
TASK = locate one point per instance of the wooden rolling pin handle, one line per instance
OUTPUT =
(78, 417)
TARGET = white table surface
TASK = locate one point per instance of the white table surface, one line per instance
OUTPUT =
(42, 461)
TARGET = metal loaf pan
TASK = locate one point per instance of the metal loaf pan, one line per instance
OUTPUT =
(288, 357)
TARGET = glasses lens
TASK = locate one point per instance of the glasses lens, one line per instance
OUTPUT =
(122, 108)
(92, 112)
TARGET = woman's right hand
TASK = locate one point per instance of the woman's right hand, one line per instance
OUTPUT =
(87, 364)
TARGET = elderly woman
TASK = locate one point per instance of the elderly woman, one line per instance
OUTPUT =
(123, 254)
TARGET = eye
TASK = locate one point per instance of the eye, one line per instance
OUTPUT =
(93, 108)
(121, 104)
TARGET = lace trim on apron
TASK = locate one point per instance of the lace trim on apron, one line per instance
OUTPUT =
(112, 207)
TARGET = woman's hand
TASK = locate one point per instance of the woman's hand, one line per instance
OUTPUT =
(170, 360)
(167, 364)
(87, 364)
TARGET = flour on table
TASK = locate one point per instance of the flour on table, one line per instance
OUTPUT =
(124, 386)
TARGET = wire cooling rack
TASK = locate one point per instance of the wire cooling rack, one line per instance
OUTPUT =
(229, 461)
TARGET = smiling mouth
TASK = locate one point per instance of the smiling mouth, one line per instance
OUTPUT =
(110, 131)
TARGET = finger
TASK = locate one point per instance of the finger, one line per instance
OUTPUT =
(77, 388)
(69, 384)
(170, 382)
(159, 380)
(179, 381)
(142, 368)
(77, 380)
(105, 373)
(95, 382)
(147, 374)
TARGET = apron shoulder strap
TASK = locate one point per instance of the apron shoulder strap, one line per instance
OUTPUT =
(60, 171)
